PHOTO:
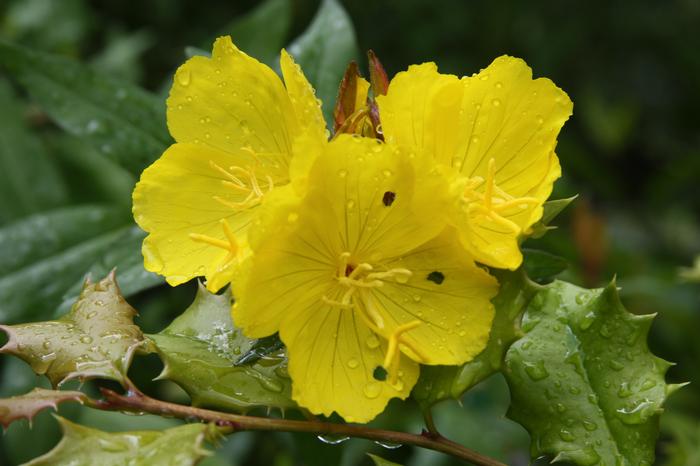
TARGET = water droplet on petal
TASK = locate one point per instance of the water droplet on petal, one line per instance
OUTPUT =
(536, 371)
(183, 76)
(372, 390)
(372, 342)
(353, 363)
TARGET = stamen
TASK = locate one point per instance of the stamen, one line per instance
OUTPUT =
(242, 180)
(230, 245)
(494, 200)
(393, 353)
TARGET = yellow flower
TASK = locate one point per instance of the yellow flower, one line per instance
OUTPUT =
(497, 130)
(362, 278)
(235, 124)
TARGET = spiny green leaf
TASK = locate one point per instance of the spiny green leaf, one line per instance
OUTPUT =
(82, 446)
(324, 50)
(542, 266)
(551, 210)
(378, 461)
(123, 122)
(582, 379)
(28, 405)
(29, 179)
(44, 255)
(96, 339)
(437, 383)
(200, 349)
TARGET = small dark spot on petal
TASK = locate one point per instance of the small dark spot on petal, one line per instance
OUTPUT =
(388, 198)
(379, 373)
(436, 277)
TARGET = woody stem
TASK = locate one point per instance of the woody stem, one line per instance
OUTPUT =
(136, 401)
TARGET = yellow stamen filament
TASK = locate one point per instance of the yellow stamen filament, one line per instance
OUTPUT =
(230, 244)
(494, 200)
(243, 180)
(393, 352)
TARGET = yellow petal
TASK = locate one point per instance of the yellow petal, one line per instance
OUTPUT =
(421, 110)
(513, 119)
(306, 106)
(231, 101)
(447, 294)
(332, 358)
(364, 195)
(176, 198)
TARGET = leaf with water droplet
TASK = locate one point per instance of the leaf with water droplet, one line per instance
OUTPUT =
(438, 383)
(201, 350)
(106, 112)
(542, 266)
(182, 446)
(611, 404)
(96, 339)
(28, 405)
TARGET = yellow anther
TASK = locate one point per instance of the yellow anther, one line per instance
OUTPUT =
(243, 180)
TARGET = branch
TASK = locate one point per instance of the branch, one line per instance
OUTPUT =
(134, 400)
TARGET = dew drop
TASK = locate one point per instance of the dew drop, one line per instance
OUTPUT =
(86, 339)
(372, 390)
(184, 77)
(388, 445)
(332, 439)
(566, 435)
(350, 204)
(590, 426)
(496, 102)
(536, 371)
(292, 217)
(353, 363)
(372, 342)
(342, 173)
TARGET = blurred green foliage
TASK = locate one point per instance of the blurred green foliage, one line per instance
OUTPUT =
(632, 151)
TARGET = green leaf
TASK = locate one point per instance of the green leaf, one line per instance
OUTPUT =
(96, 339)
(199, 350)
(542, 266)
(82, 446)
(124, 256)
(324, 50)
(378, 461)
(437, 383)
(583, 381)
(44, 255)
(28, 405)
(272, 16)
(123, 122)
(29, 179)
(551, 210)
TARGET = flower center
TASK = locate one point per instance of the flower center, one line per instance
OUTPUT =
(493, 201)
(359, 279)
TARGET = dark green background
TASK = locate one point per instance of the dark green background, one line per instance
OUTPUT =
(631, 150)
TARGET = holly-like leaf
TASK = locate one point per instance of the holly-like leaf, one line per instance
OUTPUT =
(82, 446)
(28, 405)
(583, 381)
(551, 210)
(96, 339)
(437, 383)
(200, 349)
(324, 50)
(123, 122)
